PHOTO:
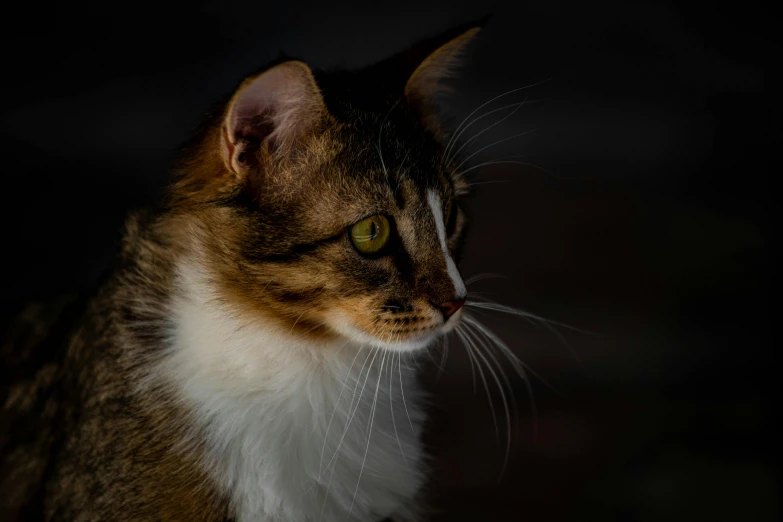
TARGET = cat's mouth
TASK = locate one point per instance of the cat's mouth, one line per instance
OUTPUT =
(407, 330)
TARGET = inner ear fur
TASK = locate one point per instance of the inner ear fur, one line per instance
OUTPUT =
(269, 115)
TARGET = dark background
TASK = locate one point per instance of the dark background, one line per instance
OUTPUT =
(650, 227)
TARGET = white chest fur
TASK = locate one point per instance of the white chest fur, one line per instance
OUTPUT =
(296, 432)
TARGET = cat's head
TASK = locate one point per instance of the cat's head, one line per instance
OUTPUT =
(325, 202)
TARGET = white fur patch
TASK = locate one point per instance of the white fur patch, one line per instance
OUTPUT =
(437, 210)
(296, 432)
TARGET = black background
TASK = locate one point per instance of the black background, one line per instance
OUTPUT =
(650, 225)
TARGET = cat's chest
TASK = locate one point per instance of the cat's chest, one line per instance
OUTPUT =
(335, 450)
(299, 438)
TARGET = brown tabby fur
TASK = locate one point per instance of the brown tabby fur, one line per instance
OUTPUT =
(84, 434)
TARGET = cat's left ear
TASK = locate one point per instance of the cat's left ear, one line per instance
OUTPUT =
(427, 80)
(271, 113)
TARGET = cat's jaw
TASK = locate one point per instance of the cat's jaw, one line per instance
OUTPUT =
(287, 423)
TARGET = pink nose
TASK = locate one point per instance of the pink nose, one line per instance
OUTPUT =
(450, 308)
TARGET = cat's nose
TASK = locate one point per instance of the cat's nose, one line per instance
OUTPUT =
(450, 308)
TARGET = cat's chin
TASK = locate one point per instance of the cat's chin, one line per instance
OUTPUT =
(356, 336)
(408, 345)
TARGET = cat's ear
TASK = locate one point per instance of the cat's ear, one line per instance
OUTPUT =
(269, 114)
(427, 80)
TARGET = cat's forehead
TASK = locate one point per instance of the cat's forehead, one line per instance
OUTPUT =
(396, 170)
(371, 159)
(364, 180)
(359, 190)
(387, 146)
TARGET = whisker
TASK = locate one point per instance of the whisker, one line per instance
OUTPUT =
(516, 107)
(369, 434)
(391, 407)
(503, 398)
(317, 325)
(429, 354)
(297, 320)
(469, 346)
(512, 91)
(399, 177)
(537, 167)
(492, 145)
(398, 327)
(547, 323)
(522, 313)
(502, 162)
(489, 353)
(356, 407)
(521, 368)
(484, 275)
(470, 359)
(342, 389)
(489, 182)
(472, 138)
(347, 425)
(337, 404)
(445, 355)
(402, 392)
(380, 133)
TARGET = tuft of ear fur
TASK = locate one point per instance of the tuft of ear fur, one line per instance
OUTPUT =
(427, 79)
(269, 114)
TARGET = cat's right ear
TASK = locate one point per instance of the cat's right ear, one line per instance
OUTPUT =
(444, 56)
(269, 115)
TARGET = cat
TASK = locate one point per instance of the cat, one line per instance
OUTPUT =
(250, 357)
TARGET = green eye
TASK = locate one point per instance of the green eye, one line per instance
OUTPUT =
(370, 235)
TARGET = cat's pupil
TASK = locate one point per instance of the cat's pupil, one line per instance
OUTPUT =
(373, 231)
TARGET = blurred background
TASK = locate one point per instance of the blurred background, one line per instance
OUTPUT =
(645, 221)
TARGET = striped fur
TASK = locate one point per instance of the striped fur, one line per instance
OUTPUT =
(245, 362)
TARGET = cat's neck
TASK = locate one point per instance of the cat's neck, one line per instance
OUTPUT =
(287, 419)
(229, 353)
